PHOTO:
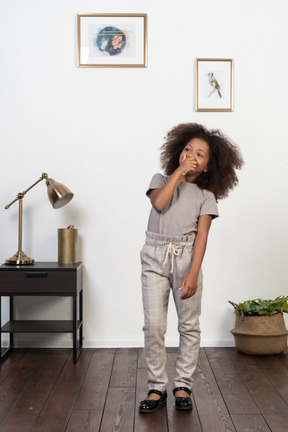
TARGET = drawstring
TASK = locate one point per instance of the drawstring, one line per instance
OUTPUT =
(173, 251)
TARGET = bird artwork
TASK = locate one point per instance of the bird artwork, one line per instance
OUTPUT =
(214, 83)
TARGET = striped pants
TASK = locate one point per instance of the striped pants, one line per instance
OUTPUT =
(165, 261)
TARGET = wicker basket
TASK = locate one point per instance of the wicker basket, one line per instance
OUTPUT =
(260, 335)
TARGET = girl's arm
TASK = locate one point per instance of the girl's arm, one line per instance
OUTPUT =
(189, 282)
(160, 198)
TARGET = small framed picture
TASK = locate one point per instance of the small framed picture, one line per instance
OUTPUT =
(214, 85)
(112, 40)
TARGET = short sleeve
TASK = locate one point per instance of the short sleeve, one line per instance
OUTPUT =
(157, 182)
(209, 205)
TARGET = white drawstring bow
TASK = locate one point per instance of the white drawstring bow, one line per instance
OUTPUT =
(174, 252)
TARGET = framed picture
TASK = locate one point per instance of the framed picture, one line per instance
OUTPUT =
(112, 40)
(214, 85)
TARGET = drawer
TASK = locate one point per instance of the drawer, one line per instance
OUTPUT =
(44, 281)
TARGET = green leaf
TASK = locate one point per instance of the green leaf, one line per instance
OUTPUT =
(259, 307)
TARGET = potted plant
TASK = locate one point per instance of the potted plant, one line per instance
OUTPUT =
(260, 327)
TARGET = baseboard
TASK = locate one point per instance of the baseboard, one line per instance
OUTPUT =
(51, 342)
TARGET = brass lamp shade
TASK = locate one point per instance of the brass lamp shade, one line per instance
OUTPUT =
(58, 194)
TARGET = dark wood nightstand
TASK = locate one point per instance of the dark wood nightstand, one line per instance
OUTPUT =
(43, 279)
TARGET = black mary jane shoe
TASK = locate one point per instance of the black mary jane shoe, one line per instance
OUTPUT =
(183, 403)
(151, 405)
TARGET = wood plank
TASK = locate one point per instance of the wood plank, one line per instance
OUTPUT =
(9, 362)
(277, 374)
(57, 410)
(141, 359)
(283, 357)
(30, 402)
(247, 423)
(182, 420)
(124, 370)
(84, 421)
(233, 390)
(44, 386)
(211, 408)
(94, 390)
(155, 422)
(18, 380)
(119, 410)
(270, 403)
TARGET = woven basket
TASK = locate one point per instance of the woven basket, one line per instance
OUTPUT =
(260, 335)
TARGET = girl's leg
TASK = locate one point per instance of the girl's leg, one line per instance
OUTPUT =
(188, 312)
(155, 293)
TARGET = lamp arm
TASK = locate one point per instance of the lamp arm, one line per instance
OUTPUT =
(21, 194)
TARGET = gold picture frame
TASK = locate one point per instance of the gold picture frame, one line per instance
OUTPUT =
(112, 40)
(214, 84)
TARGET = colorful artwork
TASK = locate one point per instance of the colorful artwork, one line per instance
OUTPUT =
(110, 41)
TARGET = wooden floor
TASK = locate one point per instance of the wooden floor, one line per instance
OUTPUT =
(42, 390)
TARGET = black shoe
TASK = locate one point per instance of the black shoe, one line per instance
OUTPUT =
(183, 403)
(151, 405)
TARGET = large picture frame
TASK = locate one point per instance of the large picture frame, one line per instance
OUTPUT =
(214, 84)
(112, 40)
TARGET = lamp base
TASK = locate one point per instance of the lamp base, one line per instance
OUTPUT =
(20, 258)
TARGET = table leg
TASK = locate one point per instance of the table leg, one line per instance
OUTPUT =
(77, 344)
(81, 319)
(74, 328)
(5, 351)
(11, 317)
(1, 324)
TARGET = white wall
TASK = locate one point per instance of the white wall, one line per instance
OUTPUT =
(99, 131)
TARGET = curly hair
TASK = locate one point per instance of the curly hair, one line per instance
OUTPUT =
(224, 157)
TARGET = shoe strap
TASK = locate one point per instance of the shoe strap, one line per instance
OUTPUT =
(156, 392)
(181, 388)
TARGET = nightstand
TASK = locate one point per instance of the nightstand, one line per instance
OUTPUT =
(43, 279)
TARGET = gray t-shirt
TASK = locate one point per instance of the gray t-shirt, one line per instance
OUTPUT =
(181, 215)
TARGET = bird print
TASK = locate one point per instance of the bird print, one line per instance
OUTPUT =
(214, 83)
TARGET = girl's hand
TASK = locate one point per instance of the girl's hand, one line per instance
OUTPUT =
(187, 164)
(189, 284)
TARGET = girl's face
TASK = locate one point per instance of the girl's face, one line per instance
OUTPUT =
(199, 150)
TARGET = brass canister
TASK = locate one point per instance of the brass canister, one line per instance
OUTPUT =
(67, 245)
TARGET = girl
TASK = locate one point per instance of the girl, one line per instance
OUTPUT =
(200, 168)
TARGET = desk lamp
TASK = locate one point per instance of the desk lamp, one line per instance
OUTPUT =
(58, 194)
